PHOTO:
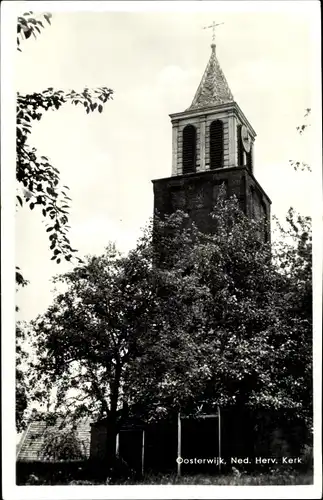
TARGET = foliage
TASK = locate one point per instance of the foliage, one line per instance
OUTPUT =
(22, 382)
(226, 320)
(28, 24)
(250, 316)
(302, 127)
(301, 166)
(20, 280)
(62, 444)
(38, 179)
(92, 336)
(293, 256)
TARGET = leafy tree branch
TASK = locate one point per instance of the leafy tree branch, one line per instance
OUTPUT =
(38, 179)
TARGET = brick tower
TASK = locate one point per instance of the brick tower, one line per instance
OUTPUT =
(213, 144)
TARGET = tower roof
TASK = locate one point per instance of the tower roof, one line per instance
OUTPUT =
(214, 88)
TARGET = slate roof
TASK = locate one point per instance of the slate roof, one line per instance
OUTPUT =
(30, 448)
(214, 88)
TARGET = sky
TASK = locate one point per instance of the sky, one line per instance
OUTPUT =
(154, 61)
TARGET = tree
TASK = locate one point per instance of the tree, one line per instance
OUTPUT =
(293, 255)
(114, 320)
(221, 321)
(253, 320)
(93, 334)
(39, 181)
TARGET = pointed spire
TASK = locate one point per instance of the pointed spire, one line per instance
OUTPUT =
(214, 88)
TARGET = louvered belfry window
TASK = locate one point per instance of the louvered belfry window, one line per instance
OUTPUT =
(189, 149)
(216, 145)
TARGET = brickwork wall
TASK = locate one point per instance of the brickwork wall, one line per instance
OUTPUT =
(98, 442)
(196, 194)
(258, 204)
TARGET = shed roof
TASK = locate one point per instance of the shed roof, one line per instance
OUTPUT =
(31, 446)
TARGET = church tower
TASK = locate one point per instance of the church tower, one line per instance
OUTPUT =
(213, 144)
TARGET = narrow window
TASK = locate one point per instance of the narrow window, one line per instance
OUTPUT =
(240, 147)
(249, 160)
(189, 149)
(252, 202)
(265, 221)
(216, 145)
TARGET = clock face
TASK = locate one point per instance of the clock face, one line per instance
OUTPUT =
(246, 140)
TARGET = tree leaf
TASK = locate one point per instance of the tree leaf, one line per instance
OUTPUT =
(47, 17)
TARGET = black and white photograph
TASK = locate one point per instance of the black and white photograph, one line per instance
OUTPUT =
(161, 321)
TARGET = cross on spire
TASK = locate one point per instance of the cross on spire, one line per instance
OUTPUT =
(213, 26)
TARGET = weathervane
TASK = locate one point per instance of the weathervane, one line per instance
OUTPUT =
(213, 26)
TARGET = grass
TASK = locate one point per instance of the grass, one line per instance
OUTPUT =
(223, 480)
